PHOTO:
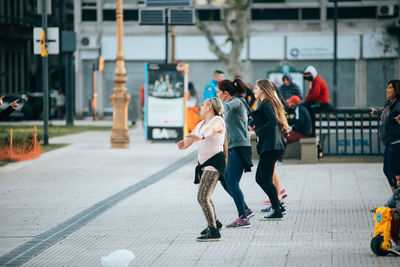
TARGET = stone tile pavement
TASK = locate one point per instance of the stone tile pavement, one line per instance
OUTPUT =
(328, 222)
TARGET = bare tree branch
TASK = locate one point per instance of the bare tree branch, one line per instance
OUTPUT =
(213, 45)
(235, 21)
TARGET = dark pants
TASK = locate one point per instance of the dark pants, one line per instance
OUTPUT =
(391, 163)
(314, 108)
(265, 171)
(234, 172)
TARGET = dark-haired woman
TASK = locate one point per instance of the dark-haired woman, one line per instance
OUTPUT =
(389, 131)
(236, 120)
(269, 121)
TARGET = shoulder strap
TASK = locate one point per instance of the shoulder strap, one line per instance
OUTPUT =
(245, 104)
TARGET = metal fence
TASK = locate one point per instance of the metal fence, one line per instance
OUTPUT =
(351, 132)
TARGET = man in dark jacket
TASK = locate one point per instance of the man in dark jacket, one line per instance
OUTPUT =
(10, 109)
(300, 123)
(289, 88)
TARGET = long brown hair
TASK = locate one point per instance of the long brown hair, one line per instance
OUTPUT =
(268, 88)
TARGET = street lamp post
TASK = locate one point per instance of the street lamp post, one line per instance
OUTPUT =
(120, 99)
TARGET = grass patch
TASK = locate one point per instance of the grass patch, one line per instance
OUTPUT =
(51, 147)
(54, 131)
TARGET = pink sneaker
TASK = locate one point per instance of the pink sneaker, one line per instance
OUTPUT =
(283, 195)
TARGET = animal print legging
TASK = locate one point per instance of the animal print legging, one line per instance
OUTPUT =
(208, 181)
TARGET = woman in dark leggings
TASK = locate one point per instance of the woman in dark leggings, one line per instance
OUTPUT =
(389, 131)
(236, 120)
(268, 121)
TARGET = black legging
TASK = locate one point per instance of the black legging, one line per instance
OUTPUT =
(265, 171)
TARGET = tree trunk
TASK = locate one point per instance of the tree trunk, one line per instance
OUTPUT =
(235, 21)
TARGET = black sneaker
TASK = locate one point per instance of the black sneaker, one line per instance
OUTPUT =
(212, 235)
(219, 227)
(283, 210)
(276, 215)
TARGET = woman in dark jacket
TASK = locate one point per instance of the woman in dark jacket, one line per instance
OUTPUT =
(269, 121)
(389, 131)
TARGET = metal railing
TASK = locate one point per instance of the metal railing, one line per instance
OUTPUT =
(351, 132)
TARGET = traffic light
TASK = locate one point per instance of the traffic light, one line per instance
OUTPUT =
(43, 50)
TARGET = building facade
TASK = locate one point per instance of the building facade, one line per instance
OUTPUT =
(293, 32)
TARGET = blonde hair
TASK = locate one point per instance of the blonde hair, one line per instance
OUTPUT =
(217, 106)
(269, 90)
(219, 110)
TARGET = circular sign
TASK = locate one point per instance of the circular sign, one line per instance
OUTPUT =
(294, 52)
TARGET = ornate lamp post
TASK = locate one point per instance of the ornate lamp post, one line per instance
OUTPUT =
(120, 99)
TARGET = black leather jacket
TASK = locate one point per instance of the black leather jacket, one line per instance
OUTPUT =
(267, 128)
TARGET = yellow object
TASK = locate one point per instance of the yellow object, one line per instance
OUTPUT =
(43, 50)
(101, 63)
(383, 220)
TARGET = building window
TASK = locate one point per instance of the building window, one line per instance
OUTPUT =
(209, 14)
(89, 12)
(275, 14)
(368, 12)
(129, 15)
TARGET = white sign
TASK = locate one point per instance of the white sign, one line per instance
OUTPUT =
(267, 47)
(52, 41)
(198, 48)
(379, 46)
(135, 47)
(321, 47)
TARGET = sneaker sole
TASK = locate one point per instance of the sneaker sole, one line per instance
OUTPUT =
(208, 240)
(235, 227)
(250, 215)
(271, 219)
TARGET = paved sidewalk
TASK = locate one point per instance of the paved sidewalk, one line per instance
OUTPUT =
(328, 221)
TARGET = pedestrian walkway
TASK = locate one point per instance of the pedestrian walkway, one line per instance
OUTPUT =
(86, 200)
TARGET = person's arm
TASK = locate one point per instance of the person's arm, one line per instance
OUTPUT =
(252, 97)
(397, 118)
(298, 122)
(5, 113)
(376, 111)
(216, 126)
(391, 203)
(314, 94)
(231, 105)
(268, 111)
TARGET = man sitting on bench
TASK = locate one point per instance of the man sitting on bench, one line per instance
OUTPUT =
(301, 122)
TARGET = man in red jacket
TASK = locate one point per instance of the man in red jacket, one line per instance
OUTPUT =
(318, 92)
(317, 98)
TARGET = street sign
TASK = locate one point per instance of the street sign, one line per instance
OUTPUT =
(168, 3)
(51, 41)
(48, 7)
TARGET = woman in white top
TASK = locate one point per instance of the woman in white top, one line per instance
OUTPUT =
(210, 132)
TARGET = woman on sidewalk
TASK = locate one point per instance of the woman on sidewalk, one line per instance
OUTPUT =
(269, 121)
(212, 161)
(236, 110)
(389, 131)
